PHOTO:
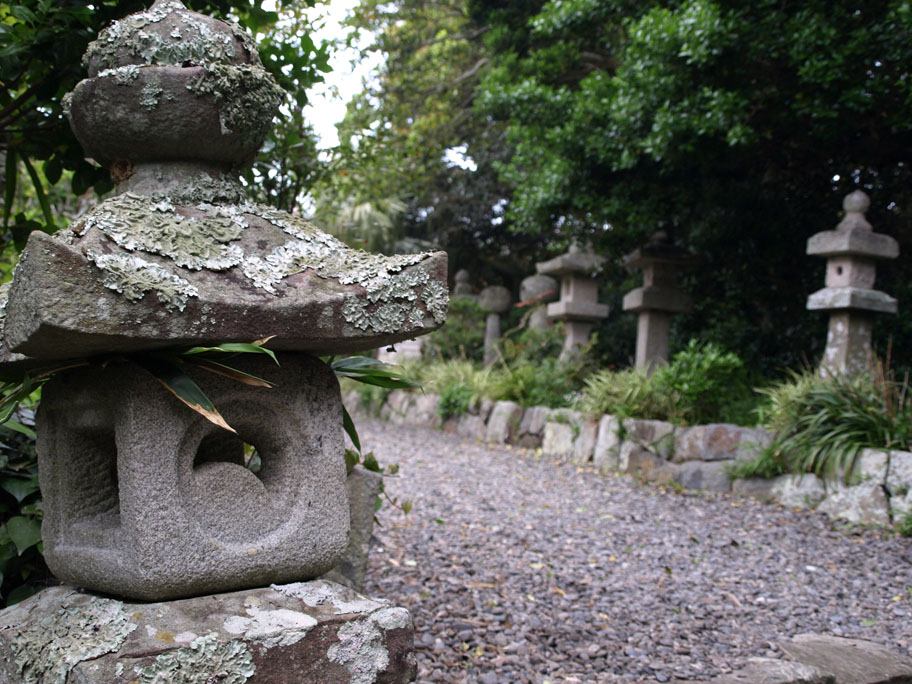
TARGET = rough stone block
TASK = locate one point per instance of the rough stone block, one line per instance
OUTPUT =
(426, 410)
(470, 426)
(605, 456)
(871, 466)
(558, 439)
(899, 483)
(769, 671)
(483, 410)
(710, 476)
(865, 503)
(718, 441)
(145, 498)
(758, 488)
(850, 661)
(306, 632)
(584, 445)
(656, 435)
(363, 489)
(639, 461)
(799, 491)
(533, 421)
(503, 423)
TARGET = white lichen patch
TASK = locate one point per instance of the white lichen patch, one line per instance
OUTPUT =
(204, 661)
(148, 96)
(271, 628)
(124, 75)
(139, 223)
(133, 277)
(437, 298)
(250, 115)
(360, 650)
(318, 593)
(392, 618)
(191, 40)
(47, 651)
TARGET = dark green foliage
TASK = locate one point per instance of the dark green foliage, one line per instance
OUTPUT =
(455, 400)
(822, 424)
(702, 384)
(904, 525)
(463, 335)
(22, 567)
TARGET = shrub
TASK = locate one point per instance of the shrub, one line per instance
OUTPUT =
(455, 400)
(904, 525)
(822, 423)
(549, 383)
(702, 384)
(22, 567)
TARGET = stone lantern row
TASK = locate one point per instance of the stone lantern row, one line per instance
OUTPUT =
(849, 295)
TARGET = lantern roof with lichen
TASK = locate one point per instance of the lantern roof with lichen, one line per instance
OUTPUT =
(175, 103)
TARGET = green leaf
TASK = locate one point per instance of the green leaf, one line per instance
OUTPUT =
(19, 427)
(229, 372)
(349, 426)
(25, 532)
(235, 348)
(20, 488)
(53, 169)
(12, 169)
(182, 386)
(352, 458)
(370, 462)
(42, 197)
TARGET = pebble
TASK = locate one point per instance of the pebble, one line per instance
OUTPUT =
(530, 569)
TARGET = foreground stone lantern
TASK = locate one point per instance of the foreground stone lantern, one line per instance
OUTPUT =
(657, 299)
(578, 305)
(537, 291)
(143, 497)
(495, 300)
(851, 251)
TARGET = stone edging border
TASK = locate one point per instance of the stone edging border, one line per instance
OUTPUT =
(694, 457)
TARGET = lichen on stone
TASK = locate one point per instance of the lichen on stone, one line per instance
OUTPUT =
(437, 299)
(204, 661)
(124, 75)
(148, 96)
(141, 223)
(192, 41)
(248, 96)
(360, 650)
(134, 277)
(48, 650)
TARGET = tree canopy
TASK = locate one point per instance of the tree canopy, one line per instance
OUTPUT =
(735, 127)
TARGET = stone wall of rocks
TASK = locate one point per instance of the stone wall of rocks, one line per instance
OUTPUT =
(879, 492)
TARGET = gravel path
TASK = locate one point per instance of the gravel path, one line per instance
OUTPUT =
(522, 569)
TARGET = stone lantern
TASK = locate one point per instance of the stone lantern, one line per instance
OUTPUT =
(657, 299)
(143, 497)
(851, 251)
(463, 288)
(578, 305)
(538, 291)
(495, 300)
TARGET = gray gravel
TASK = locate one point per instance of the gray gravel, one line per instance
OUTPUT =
(522, 569)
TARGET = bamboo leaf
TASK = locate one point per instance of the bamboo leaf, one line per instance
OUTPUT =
(349, 426)
(39, 191)
(182, 386)
(19, 427)
(234, 348)
(9, 195)
(229, 372)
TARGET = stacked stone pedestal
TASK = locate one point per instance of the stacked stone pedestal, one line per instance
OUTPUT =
(495, 300)
(851, 251)
(658, 299)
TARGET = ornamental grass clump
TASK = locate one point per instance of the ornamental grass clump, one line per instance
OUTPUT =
(823, 422)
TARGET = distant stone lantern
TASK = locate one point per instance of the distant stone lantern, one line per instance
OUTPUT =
(851, 251)
(578, 305)
(463, 286)
(495, 300)
(538, 291)
(657, 299)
